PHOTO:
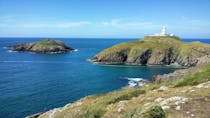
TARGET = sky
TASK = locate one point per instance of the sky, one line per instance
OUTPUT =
(104, 18)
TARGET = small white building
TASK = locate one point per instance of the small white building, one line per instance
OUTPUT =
(163, 33)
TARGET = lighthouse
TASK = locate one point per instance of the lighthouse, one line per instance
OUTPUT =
(163, 32)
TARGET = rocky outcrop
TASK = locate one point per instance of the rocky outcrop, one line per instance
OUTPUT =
(181, 73)
(155, 50)
(45, 46)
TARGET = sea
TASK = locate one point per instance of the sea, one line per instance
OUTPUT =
(31, 83)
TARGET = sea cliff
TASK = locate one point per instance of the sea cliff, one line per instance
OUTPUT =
(155, 50)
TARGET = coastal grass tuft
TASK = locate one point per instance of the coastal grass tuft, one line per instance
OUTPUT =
(95, 111)
(154, 112)
(98, 108)
(195, 79)
(133, 113)
(126, 96)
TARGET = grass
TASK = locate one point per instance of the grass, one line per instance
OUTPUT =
(154, 112)
(98, 108)
(126, 96)
(48, 42)
(135, 48)
(163, 37)
(195, 79)
(194, 48)
(95, 111)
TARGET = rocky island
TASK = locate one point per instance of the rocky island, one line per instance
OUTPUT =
(155, 50)
(44, 46)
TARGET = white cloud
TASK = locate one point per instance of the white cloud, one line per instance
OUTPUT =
(47, 25)
(73, 24)
(194, 22)
(116, 23)
(113, 25)
(56, 25)
(198, 22)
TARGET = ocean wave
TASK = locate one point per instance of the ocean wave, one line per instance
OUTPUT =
(76, 50)
(135, 82)
(11, 51)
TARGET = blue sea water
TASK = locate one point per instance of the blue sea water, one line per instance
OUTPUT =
(32, 83)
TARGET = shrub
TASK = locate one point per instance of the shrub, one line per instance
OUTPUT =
(127, 96)
(95, 112)
(154, 112)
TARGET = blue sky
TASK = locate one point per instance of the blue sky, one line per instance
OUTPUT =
(104, 18)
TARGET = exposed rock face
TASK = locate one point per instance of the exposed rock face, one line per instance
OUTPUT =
(182, 73)
(154, 50)
(45, 46)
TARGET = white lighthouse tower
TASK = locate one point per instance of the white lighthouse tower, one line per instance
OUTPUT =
(163, 33)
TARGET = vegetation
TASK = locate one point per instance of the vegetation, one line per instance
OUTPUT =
(154, 112)
(49, 42)
(128, 96)
(195, 79)
(98, 109)
(146, 42)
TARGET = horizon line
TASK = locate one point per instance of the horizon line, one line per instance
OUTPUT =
(100, 37)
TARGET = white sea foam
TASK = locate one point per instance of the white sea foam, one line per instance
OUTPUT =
(132, 84)
(135, 82)
(135, 79)
(10, 51)
(76, 50)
